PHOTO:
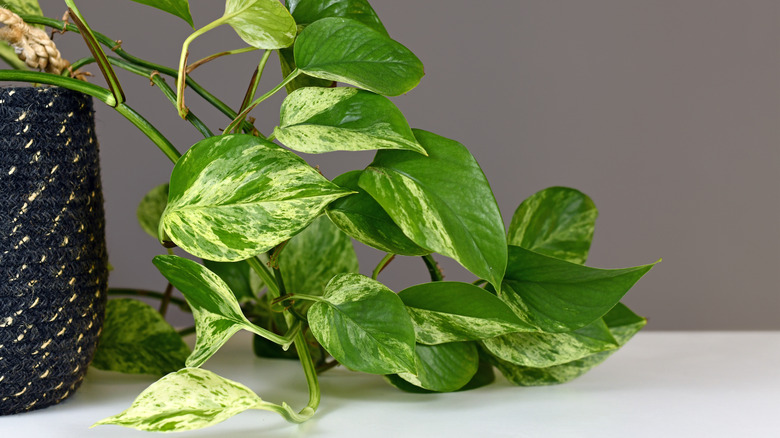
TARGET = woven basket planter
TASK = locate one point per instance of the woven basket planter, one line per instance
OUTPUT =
(53, 264)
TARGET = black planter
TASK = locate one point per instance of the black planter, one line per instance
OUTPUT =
(53, 264)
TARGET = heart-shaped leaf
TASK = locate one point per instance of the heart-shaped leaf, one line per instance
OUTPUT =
(316, 255)
(265, 24)
(179, 8)
(306, 12)
(623, 325)
(136, 339)
(345, 50)
(316, 120)
(361, 217)
(444, 367)
(557, 222)
(364, 326)
(443, 202)
(547, 349)
(190, 399)
(233, 197)
(558, 296)
(217, 314)
(151, 208)
(445, 311)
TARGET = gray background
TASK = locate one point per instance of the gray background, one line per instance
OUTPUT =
(665, 112)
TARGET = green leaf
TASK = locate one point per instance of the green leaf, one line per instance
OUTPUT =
(623, 325)
(316, 255)
(316, 120)
(238, 276)
(445, 311)
(233, 197)
(443, 202)
(265, 24)
(136, 339)
(547, 349)
(306, 12)
(558, 296)
(189, 399)
(557, 222)
(151, 209)
(179, 8)
(364, 326)
(217, 314)
(444, 367)
(361, 217)
(345, 50)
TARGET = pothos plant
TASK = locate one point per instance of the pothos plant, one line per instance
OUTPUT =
(275, 236)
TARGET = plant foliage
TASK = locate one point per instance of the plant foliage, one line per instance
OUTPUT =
(276, 237)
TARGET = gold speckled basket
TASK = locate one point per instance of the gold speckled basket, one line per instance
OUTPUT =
(53, 264)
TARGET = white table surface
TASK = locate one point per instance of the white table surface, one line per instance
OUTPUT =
(662, 384)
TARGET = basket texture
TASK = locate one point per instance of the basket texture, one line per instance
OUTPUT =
(53, 262)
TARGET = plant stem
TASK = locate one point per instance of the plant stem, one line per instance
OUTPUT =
(185, 50)
(116, 48)
(166, 299)
(200, 62)
(94, 46)
(260, 99)
(311, 374)
(157, 80)
(51, 79)
(433, 268)
(255, 81)
(382, 265)
(180, 303)
(265, 275)
(162, 143)
(300, 342)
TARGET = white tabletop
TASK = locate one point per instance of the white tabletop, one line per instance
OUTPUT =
(662, 384)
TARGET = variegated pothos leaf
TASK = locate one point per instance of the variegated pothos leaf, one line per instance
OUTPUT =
(218, 315)
(317, 120)
(444, 367)
(557, 221)
(444, 311)
(623, 325)
(442, 202)
(327, 49)
(265, 24)
(541, 350)
(364, 326)
(191, 398)
(361, 217)
(136, 339)
(233, 197)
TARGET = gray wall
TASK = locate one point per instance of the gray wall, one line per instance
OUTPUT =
(665, 112)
